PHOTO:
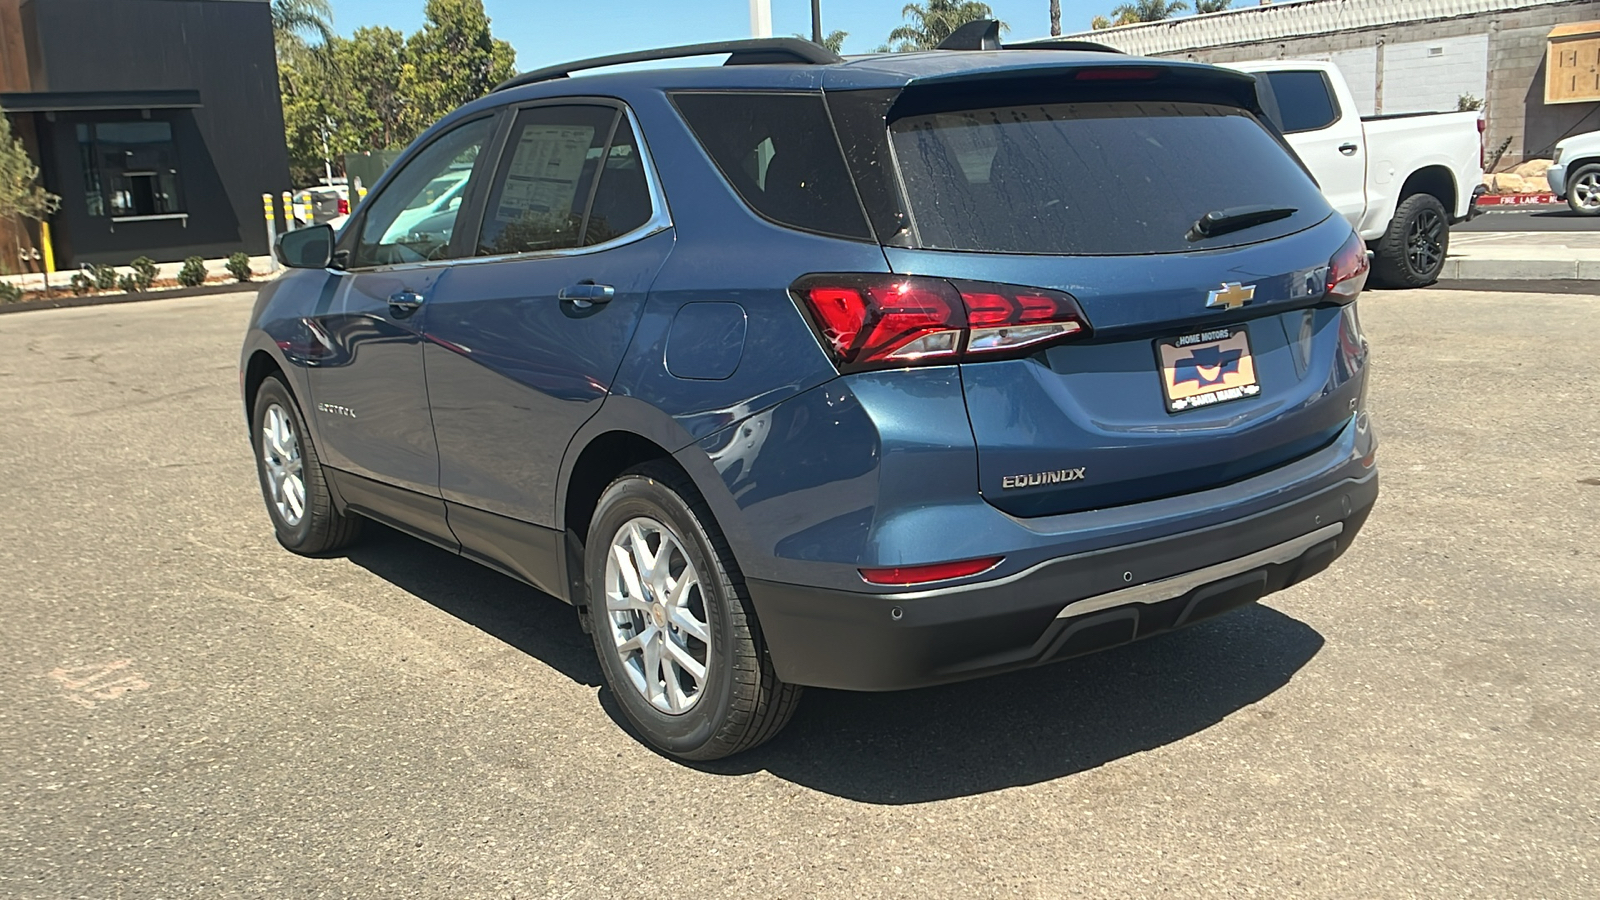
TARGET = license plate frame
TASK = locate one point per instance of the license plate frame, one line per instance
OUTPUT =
(1185, 364)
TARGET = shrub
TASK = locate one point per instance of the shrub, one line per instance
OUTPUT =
(144, 271)
(9, 293)
(105, 277)
(193, 273)
(130, 283)
(83, 282)
(239, 266)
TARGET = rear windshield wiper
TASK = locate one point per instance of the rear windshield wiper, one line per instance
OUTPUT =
(1222, 221)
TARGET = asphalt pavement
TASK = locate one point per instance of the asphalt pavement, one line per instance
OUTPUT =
(186, 710)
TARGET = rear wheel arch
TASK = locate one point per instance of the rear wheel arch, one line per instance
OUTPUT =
(1436, 180)
(601, 461)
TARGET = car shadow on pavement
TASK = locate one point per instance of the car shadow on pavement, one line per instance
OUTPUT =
(524, 617)
(1038, 724)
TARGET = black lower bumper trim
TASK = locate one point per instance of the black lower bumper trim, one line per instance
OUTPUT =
(854, 641)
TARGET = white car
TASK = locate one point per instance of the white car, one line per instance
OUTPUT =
(1401, 180)
(1575, 176)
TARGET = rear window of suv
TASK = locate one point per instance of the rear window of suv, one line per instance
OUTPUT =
(1094, 178)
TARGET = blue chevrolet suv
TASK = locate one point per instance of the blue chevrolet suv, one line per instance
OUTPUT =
(864, 373)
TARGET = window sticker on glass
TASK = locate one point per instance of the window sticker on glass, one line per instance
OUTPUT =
(542, 184)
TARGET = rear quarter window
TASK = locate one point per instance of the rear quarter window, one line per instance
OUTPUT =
(780, 154)
(1298, 101)
(1098, 178)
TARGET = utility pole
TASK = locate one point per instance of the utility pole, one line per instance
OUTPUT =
(816, 22)
(761, 18)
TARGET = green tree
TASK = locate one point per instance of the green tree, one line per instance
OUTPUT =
(833, 41)
(295, 20)
(20, 192)
(1148, 11)
(452, 60)
(1210, 6)
(931, 22)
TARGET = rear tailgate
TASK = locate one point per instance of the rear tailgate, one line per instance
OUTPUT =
(1097, 197)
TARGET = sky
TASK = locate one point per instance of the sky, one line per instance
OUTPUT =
(545, 32)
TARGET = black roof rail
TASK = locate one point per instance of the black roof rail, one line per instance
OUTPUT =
(752, 51)
(984, 34)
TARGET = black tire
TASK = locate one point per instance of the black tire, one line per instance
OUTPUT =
(741, 702)
(1583, 190)
(1411, 253)
(321, 528)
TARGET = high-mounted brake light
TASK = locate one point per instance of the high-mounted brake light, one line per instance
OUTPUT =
(1347, 271)
(1118, 73)
(884, 321)
(909, 575)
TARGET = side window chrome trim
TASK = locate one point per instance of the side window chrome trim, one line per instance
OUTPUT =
(660, 215)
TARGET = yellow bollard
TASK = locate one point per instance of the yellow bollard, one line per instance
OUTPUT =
(288, 211)
(49, 248)
(272, 230)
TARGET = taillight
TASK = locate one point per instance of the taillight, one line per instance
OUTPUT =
(909, 575)
(344, 207)
(1483, 153)
(1347, 271)
(882, 321)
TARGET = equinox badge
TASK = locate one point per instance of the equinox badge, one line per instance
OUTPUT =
(1232, 296)
(1060, 476)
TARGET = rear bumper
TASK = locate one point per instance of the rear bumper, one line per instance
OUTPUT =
(1058, 609)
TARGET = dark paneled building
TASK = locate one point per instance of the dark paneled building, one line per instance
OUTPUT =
(157, 121)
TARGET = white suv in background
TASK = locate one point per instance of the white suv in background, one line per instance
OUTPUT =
(1575, 177)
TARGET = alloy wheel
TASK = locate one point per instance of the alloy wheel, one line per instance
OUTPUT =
(1425, 242)
(280, 456)
(657, 615)
(1586, 190)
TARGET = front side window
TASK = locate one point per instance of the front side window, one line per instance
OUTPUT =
(414, 218)
(130, 169)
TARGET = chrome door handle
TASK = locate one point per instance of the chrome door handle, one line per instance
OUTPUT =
(586, 295)
(405, 302)
(1348, 149)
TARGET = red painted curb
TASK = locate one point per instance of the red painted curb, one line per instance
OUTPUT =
(1517, 199)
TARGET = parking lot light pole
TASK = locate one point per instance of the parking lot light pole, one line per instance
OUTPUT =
(761, 18)
(816, 21)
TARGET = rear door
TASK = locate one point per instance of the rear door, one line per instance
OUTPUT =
(1328, 137)
(525, 339)
(1208, 359)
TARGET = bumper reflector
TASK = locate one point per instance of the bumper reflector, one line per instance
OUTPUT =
(907, 575)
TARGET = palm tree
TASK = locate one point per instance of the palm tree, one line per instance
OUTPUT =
(1202, 7)
(295, 20)
(834, 41)
(934, 21)
(1148, 10)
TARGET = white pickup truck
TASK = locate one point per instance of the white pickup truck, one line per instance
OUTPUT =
(1401, 180)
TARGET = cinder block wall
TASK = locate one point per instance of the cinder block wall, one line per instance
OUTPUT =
(1514, 106)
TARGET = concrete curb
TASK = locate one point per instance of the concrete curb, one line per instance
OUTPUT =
(71, 302)
(1468, 269)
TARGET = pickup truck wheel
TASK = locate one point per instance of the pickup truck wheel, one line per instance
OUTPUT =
(1583, 191)
(1411, 253)
(678, 642)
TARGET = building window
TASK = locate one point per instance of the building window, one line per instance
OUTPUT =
(130, 169)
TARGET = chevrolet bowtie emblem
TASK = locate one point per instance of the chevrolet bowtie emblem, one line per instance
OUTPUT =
(1232, 296)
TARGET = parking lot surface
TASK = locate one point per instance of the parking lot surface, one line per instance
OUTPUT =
(186, 710)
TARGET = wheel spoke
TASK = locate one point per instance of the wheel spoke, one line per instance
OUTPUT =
(653, 670)
(684, 660)
(691, 626)
(630, 575)
(637, 642)
(617, 602)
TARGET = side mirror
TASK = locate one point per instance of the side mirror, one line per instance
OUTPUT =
(307, 248)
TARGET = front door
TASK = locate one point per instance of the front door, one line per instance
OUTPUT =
(1327, 137)
(523, 343)
(369, 393)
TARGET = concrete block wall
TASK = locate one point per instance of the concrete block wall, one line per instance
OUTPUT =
(1514, 104)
